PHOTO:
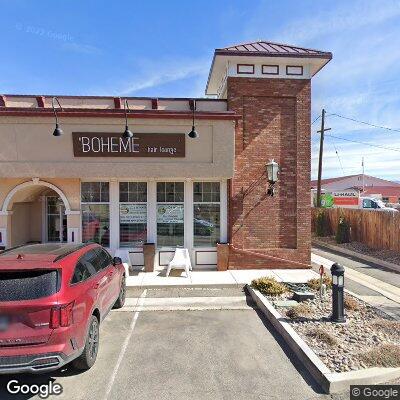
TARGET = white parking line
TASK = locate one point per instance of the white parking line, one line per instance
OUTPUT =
(125, 345)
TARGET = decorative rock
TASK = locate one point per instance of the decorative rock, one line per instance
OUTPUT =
(303, 296)
(356, 336)
(285, 303)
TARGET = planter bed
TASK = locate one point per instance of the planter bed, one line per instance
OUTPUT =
(343, 347)
(342, 355)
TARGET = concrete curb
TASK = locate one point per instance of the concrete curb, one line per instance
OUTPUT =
(357, 256)
(189, 286)
(330, 382)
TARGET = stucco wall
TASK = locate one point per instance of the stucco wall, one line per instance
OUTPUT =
(26, 223)
(70, 187)
(28, 149)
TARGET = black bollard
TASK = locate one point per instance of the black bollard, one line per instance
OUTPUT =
(337, 272)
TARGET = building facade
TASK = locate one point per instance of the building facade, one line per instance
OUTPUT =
(161, 186)
(360, 185)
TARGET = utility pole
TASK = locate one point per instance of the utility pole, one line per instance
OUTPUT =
(363, 172)
(321, 151)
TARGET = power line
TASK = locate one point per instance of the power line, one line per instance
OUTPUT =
(366, 144)
(365, 123)
(337, 153)
(315, 120)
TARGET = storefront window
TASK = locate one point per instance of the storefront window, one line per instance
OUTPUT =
(206, 213)
(170, 214)
(132, 214)
(95, 197)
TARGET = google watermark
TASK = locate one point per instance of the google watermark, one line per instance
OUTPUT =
(36, 30)
(375, 392)
(43, 390)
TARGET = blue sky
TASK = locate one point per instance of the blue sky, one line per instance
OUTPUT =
(164, 48)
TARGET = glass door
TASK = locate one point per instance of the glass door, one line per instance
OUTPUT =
(56, 220)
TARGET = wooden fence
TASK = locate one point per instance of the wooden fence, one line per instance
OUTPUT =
(377, 229)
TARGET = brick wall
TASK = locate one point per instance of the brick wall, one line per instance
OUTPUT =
(270, 232)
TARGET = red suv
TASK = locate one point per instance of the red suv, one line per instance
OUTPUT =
(52, 300)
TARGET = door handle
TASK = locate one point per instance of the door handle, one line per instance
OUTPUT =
(100, 283)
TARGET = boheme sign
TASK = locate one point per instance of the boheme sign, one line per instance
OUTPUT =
(140, 145)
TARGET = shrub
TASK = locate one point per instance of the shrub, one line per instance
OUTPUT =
(314, 283)
(269, 286)
(322, 224)
(299, 311)
(388, 326)
(351, 304)
(385, 355)
(343, 231)
(322, 335)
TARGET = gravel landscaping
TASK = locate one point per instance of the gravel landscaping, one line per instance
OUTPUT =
(384, 255)
(368, 338)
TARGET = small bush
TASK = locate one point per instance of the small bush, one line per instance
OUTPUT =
(343, 231)
(299, 311)
(322, 224)
(351, 304)
(385, 355)
(314, 283)
(322, 335)
(388, 326)
(269, 286)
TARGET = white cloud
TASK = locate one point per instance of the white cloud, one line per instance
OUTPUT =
(81, 48)
(152, 74)
(354, 16)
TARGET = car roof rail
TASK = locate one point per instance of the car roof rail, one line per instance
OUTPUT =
(72, 250)
(12, 248)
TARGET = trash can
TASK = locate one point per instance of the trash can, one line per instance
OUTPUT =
(149, 252)
(222, 256)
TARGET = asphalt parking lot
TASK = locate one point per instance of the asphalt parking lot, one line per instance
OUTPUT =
(203, 354)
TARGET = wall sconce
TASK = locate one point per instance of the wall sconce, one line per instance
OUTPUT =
(57, 131)
(272, 175)
(127, 133)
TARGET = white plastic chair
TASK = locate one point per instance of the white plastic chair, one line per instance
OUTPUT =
(123, 254)
(181, 260)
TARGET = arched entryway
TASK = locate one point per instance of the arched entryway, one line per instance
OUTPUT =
(37, 212)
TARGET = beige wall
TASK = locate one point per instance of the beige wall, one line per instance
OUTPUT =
(70, 187)
(29, 150)
(26, 223)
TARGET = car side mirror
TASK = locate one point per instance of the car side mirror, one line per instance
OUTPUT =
(117, 261)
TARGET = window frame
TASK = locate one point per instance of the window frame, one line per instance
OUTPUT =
(194, 203)
(183, 202)
(132, 202)
(109, 203)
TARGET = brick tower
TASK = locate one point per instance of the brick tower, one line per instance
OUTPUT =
(269, 86)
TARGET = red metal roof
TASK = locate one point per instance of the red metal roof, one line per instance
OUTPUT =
(314, 182)
(266, 48)
(385, 191)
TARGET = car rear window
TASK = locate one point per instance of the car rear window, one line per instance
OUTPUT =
(28, 285)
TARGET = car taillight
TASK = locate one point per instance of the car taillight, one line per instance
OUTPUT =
(61, 316)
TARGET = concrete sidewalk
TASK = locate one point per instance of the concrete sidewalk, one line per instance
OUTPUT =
(231, 278)
(377, 287)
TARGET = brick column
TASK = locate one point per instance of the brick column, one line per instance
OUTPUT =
(275, 124)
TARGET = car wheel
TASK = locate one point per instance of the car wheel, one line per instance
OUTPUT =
(122, 294)
(89, 354)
